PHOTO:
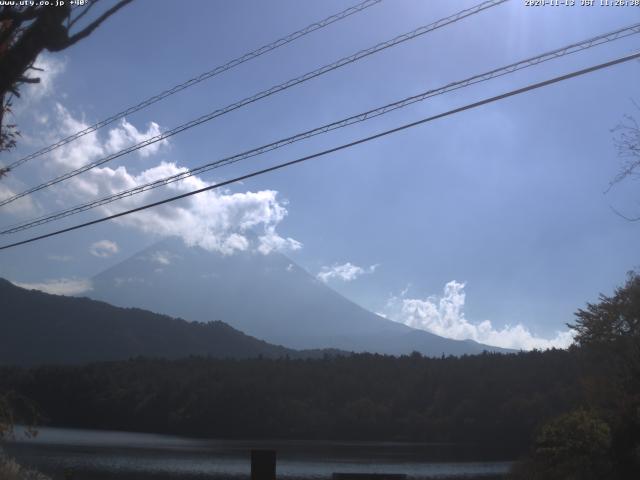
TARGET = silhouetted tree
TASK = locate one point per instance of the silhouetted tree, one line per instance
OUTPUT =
(14, 409)
(603, 441)
(612, 318)
(25, 31)
(627, 142)
(574, 446)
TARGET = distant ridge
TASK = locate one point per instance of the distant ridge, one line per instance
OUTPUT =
(39, 328)
(266, 296)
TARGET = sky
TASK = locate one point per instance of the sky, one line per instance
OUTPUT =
(494, 224)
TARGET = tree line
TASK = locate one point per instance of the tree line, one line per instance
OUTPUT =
(569, 413)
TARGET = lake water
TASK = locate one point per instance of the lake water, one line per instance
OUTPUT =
(103, 455)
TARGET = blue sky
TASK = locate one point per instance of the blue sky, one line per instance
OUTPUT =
(491, 224)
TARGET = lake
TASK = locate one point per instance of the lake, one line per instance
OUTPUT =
(93, 454)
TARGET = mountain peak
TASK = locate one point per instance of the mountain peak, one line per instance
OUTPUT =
(261, 295)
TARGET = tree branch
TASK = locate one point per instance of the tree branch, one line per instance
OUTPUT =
(93, 25)
(30, 13)
(82, 13)
(628, 219)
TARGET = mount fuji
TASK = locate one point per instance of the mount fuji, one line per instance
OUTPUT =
(266, 296)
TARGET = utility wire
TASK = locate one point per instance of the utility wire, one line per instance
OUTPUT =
(335, 149)
(265, 93)
(200, 78)
(557, 53)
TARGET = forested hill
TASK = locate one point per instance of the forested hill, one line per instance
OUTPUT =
(39, 328)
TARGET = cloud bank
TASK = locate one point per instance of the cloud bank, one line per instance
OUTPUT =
(103, 248)
(445, 316)
(52, 67)
(215, 220)
(23, 206)
(59, 286)
(346, 272)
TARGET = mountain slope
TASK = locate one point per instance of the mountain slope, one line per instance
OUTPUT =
(36, 328)
(266, 296)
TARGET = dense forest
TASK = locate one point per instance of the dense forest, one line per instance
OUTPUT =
(571, 413)
(364, 397)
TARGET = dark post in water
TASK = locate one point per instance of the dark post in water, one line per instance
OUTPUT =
(263, 465)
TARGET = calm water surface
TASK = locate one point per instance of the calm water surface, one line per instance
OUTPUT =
(103, 455)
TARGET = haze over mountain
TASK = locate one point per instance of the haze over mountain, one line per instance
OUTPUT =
(266, 296)
(39, 328)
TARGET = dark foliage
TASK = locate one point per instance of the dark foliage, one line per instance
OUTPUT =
(576, 445)
(601, 439)
(17, 409)
(27, 30)
(612, 319)
(490, 398)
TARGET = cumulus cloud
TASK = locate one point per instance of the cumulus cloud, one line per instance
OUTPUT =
(445, 316)
(59, 286)
(103, 248)
(214, 220)
(21, 207)
(346, 272)
(52, 67)
(32, 94)
(271, 241)
(126, 135)
(91, 146)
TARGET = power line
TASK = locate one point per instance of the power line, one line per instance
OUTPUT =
(532, 61)
(265, 93)
(334, 149)
(200, 78)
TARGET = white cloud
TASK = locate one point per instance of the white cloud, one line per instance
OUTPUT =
(91, 147)
(445, 316)
(59, 286)
(24, 206)
(31, 94)
(103, 248)
(52, 67)
(271, 241)
(346, 272)
(80, 151)
(214, 220)
(126, 135)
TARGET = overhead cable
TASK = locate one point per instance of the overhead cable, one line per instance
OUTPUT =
(200, 78)
(263, 94)
(361, 117)
(331, 150)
